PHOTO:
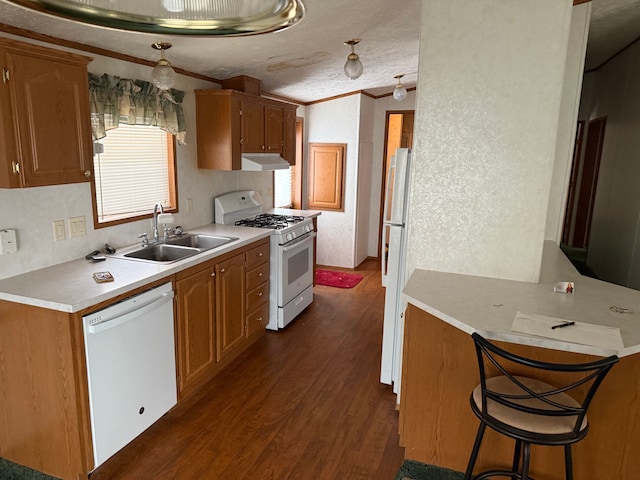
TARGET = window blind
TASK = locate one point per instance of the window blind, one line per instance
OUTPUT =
(132, 174)
(282, 189)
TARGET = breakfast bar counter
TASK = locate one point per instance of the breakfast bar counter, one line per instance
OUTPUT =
(440, 369)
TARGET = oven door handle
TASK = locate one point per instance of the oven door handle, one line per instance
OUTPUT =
(295, 243)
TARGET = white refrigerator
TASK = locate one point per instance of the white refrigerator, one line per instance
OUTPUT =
(393, 266)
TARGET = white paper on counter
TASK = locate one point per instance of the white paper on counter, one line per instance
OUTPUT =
(583, 333)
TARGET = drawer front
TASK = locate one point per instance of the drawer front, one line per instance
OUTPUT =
(257, 321)
(258, 255)
(257, 297)
(257, 276)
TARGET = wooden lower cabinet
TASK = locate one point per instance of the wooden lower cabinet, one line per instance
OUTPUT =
(44, 397)
(215, 320)
(257, 297)
(230, 318)
(196, 314)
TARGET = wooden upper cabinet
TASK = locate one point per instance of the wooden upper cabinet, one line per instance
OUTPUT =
(327, 166)
(230, 122)
(45, 121)
(252, 125)
(274, 129)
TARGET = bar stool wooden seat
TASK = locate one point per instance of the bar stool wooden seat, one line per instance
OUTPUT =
(511, 401)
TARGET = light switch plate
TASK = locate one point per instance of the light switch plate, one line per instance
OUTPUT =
(77, 226)
(59, 230)
(8, 242)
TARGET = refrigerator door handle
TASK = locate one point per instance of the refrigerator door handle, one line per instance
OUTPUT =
(385, 212)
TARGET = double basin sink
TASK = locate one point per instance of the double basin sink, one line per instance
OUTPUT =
(176, 248)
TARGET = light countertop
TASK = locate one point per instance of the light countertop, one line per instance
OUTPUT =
(489, 305)
(70, 287)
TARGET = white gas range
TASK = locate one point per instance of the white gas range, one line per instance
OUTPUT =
(291, 260)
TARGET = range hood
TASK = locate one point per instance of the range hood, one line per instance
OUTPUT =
(263, 162)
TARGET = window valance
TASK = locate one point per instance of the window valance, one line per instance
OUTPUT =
(116, 100)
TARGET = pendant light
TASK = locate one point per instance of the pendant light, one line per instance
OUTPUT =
(399, 93)
(162, 75)
(353, 68)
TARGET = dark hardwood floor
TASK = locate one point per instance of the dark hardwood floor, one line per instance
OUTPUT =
(302, 403)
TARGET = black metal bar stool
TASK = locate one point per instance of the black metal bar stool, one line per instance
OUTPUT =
(530, 411)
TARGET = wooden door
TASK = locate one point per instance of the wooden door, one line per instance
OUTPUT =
(586, 193)
(230, 311)
(252, 120)
(273, 129)
(196, 328)
(573, 183)
(50, 108)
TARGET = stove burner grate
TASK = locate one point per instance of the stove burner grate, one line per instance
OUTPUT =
(270, 220)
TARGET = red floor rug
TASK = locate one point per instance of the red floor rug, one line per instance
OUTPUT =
(332, 278)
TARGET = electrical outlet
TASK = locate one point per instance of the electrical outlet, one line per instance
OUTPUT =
(189, 205)
(59, 230)
(77, 227)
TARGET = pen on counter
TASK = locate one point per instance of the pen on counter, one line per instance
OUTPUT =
(562, 325)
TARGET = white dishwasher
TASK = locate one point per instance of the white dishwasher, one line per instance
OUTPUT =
(131, 368)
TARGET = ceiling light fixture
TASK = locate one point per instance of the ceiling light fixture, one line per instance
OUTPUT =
(162, 75)
(178, 17)
(353, 67)
(399, 93)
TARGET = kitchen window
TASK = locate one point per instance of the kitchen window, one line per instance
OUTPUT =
(134, 169)
(283, 188)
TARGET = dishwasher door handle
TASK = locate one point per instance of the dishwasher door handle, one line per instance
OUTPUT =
(136, 311)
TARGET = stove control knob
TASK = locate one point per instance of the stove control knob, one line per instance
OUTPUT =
(289, 237)
(307, 228)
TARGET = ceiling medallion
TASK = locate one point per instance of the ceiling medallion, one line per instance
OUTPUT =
(177, 17)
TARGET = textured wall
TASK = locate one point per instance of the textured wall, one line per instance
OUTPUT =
(489, 90)
(337, 121)
(567, 123)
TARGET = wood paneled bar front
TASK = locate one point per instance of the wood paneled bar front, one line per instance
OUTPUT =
(440, 370)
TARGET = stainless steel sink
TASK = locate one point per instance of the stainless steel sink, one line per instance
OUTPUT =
(162, 253)
(202, 242)
(175, 248)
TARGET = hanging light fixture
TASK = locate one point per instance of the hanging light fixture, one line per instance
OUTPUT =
(162, 75)
(177, 17)
(399, 93)
(353, 67)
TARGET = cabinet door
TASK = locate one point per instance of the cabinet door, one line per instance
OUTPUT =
(289, 141)
(252, 119)
(196, 327)
(273, 129)
(50, 108)
(230, 285)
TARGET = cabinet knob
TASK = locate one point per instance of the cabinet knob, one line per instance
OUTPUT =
(87, 173)
(222, 270)
(260, 319)
(213, 274)
(260, 274)
(260, 254)
(260, 294)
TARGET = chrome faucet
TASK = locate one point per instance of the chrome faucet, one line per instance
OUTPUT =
(156, 235)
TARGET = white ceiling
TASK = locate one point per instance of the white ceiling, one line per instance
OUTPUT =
(305, 61)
